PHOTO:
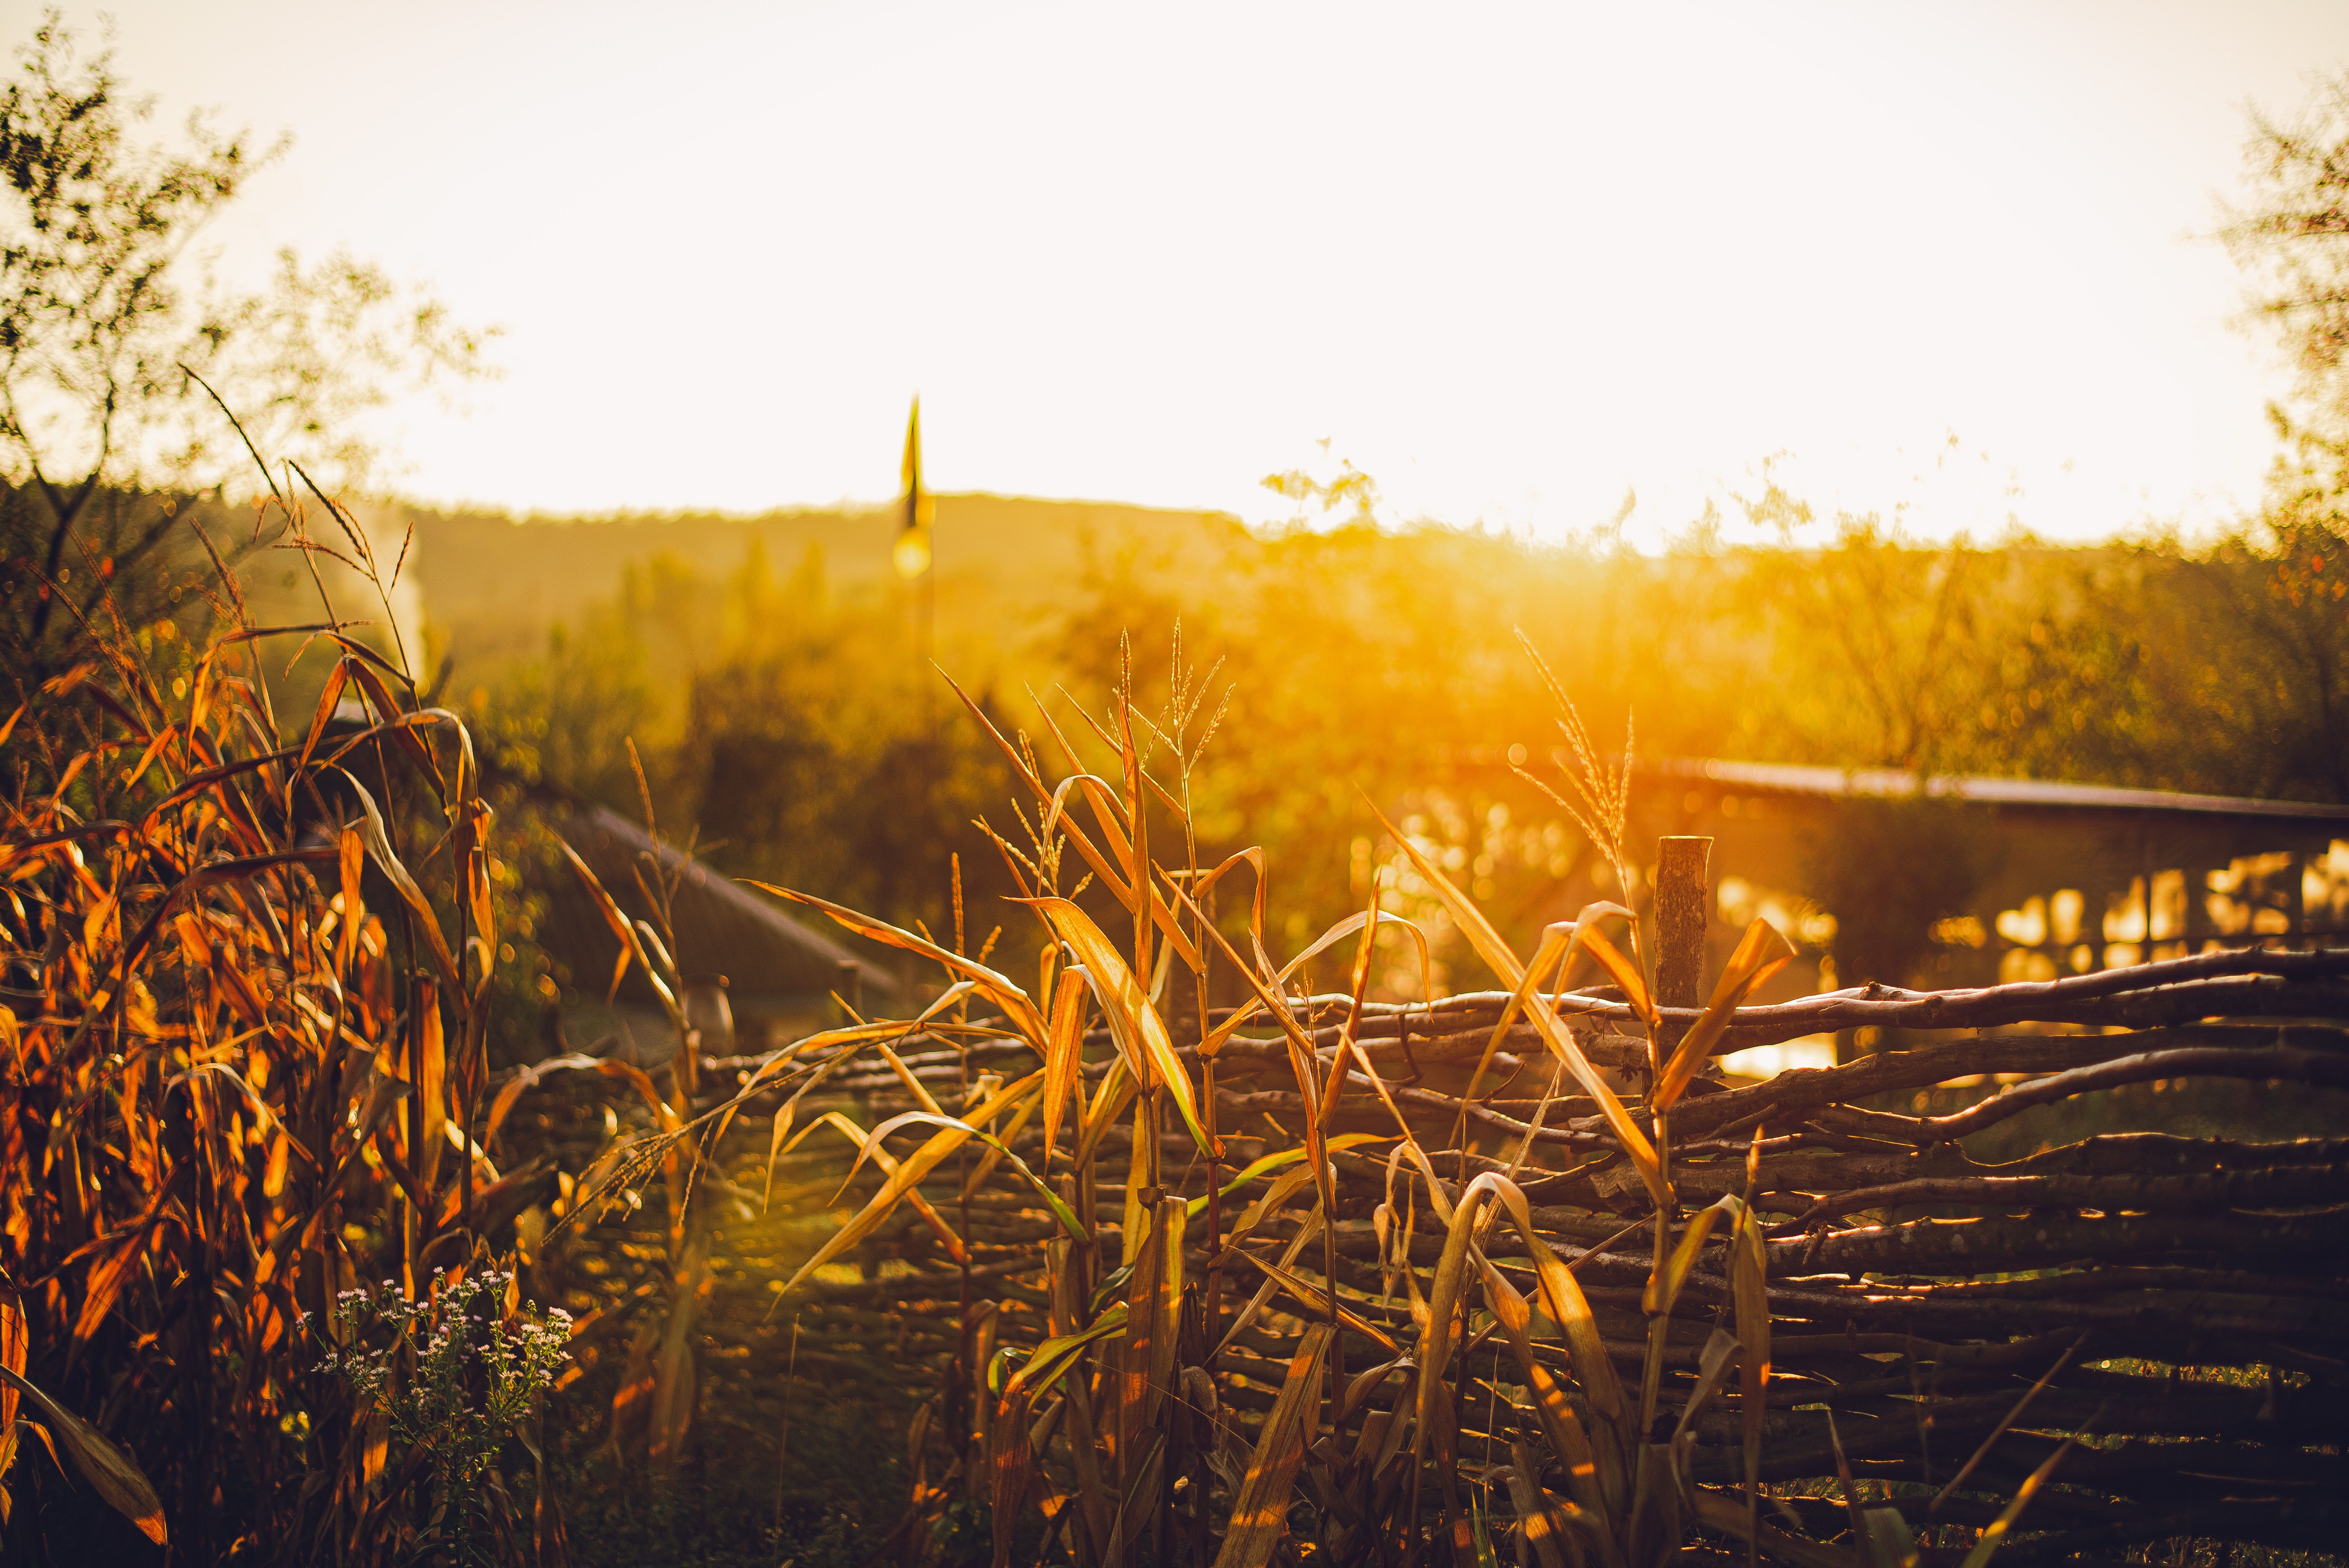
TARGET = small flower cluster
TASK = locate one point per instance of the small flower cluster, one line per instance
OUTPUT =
(452, 1371)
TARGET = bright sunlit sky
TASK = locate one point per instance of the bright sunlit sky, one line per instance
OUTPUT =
(1512, 260)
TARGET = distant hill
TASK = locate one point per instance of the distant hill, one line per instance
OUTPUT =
(495, 583)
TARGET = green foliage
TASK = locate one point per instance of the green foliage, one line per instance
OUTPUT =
(446, 1370)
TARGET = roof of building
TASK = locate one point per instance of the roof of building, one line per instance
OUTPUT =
(722, 927)
(1840, 783)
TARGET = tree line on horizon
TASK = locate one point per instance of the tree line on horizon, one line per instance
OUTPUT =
(782, 718)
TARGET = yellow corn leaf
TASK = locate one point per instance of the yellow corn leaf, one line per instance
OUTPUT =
(952, 1135)
(1116, 1092)
(1268, 1163)
(1064, 1044)
(1306, 1233)
(1555, 944)
(1271, 1201)
(778, 1061)
(1454, 1268)
(1503, 963)
(1146, 1368)
(1140, 1033)
(1345, 928)
(1563, 1429)
(871, 1148)
(1260, 1509)
(1317, 1304)
(327, 698)
(431, 1088)
(1105, 812)
(351, 859)
(1000, 989)
(618, 923)
(1750, 966)
(1055, 1357)
(1663, 1287)
(1625, 973)
(914, 1086)
(1564, 1304)
(903, 1180)
(1003, 1099)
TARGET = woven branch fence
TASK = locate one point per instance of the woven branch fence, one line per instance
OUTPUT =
(2170, 1312)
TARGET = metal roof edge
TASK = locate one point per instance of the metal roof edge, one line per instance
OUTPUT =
(1837, 783)
(728, 890)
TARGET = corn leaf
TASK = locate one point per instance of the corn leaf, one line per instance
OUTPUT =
(1318, 1303)
(379, 846)
(1664, 1287)
(113, 1473)
(1750, 966)
(1053, 1358)
(1503, 963)
(1265, 1163)
(1000, 989)
(1260, 1508)
(1140, 1033)
(1064, 1043)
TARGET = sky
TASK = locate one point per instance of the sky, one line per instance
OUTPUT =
(1520, 264)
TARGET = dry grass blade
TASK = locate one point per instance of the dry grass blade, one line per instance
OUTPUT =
(1242, 1320)
(1716, 1510)
(1543, 1527)
(1995, 1531)
(2000, 1430)
(1549, 959)
(1719, 1358)
(1623, 972)
(1560, 1426)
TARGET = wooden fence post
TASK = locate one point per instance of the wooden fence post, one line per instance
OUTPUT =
(1683, 892)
